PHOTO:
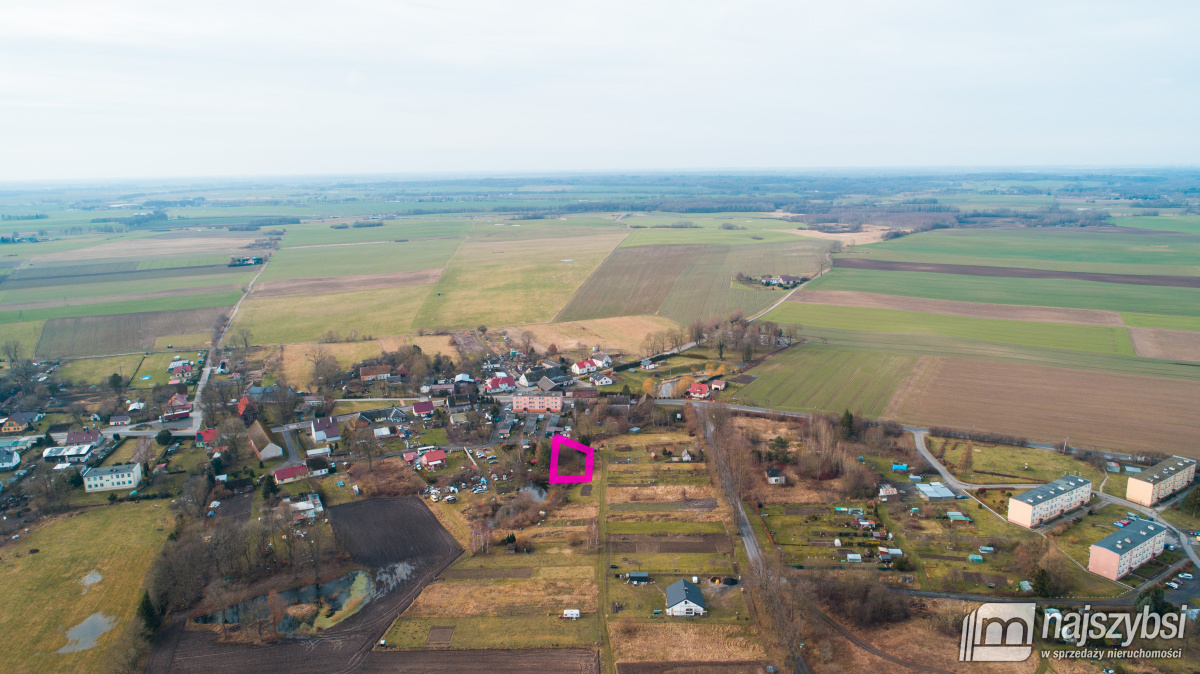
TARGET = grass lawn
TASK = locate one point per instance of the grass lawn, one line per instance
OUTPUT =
(124, 452)
(1018, 465)
(194, 341)
(44, 594)
(1027, 291)
(155, 366)
(1116, 485)
(321, 233)
(1156, 321)
(529, 631)
(97, 370)
(1078, 540)
(1182, 518)
(1188, 224)
(1096, 339)
(26, 332)
(665, 528)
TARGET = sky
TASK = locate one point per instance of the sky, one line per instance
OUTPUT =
(130, 89)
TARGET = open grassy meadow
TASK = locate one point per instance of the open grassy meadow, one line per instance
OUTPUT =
(622, 333)
(816, 379)
(50, 592)
(95, 371)
(1002, 464)
(125, 333)
(358, 259)
(321, 232)
(304, 319)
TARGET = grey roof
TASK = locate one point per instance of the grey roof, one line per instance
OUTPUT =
(1130, 537)
(1164, 470)
(110, 470)
(1052, 489)
(639, 574)
(681, 590)
(772, 472)
(935, 490)
(8, 456)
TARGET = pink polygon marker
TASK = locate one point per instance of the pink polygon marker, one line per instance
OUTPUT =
(559, 441)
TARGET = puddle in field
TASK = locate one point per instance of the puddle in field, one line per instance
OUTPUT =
(91, 579)
(83, 636)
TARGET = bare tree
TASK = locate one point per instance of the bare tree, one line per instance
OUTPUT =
(324, 369)
(143, 453)
(243, 339)
(232, 435)
(316, 542)
(526, 341)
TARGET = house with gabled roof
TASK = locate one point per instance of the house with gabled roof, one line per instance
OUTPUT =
(373, 372)
(685, 599)
(263, 443)
(325, 429)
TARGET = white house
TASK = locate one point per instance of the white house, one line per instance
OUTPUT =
(601, 380)
(775, 476)
(601, 360)
(9, 459)
(68, 454)
(685, 599)
(108, 478)
(325, 429)
(583, 367)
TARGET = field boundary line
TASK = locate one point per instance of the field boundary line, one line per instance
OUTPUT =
(566, 304)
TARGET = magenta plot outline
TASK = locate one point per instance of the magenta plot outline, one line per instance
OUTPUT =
(557, 442)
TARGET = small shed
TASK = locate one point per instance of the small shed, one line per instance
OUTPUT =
(638, 577)
(1025, 586)
(854, 558)
(986, 549)
(571, 614)
(775, 476)
(975, 558)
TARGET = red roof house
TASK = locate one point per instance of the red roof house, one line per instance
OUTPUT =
(409, 457)
(83, 437)
(698, 391)
(286, 475)
(206, 437)
(433, 459)
(423, 409)
(373, 372)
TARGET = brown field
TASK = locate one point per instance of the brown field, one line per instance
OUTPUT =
(494, 661)
(670, 543)
(49, 304)
(151, 245)
(658, 494)
(1116, 411)
(345, 284)
(870, 234)
(692, 667)
(532, 596)
(633, 280)
(1018, 272)
(690, 641)
(624, 333)
(575, 511)
(120, 333)
(1009, 312)
(299, 370)
(430, 344)
(1166, 344)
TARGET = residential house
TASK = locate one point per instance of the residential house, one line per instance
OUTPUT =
(534, 375)
(325, 429)
(317, 466)
(775, 476)
(423, 408)
(9, 459)
(434, 458)
(601, 380)
(685, 599)
(698, 391)
(1047, 501)
(373, 372)
(499, 385)
(583, 367)
(462, 402)
(1154, 484)
(648, 364)
(89, 437)
(262, 442)
(177, 407)
(119, 420)
(20, 421)
(383, 415)
(546, 384)
(686, 456)
(108, 478)
(538, 402)
(1122, 551)
(206, 438)
(601, 360)
(293, 474)
(409, 457)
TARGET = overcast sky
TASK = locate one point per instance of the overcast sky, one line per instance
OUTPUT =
(154, 89)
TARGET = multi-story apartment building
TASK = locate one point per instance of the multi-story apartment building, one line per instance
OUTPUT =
(1123, 551)
(1151, 486)
(1047, 501)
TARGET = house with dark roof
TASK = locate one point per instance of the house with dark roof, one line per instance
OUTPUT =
(119, 420)
(685, 599)
(262, 442)
(373, 372)
(325, 429)
(423, 408)
(20, 421)
(90, 437)
(9, 459)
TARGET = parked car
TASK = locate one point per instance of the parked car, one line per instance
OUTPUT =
(1185, 576)
(1119, 524)
(1173, 585)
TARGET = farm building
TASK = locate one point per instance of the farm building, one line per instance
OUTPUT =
(433, 459)
(68, 454)
(286, 475)
(1122, 551)
(1047, 501)
(775, 476)
(886, 490)
(262, 442)
(373, 372)
(108, 478)
(325, 429)
(540, 403)
(423, 408)
(1154, 484)
(935, 491)
(685, 599)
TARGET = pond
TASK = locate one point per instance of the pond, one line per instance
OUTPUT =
(83, 636)
(313, 608)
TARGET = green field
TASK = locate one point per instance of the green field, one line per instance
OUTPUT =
(527, 631)
(486, 230)
(321, 233)
(820, 379)
(1089, 338)
(1188, 224)
(109, 289)
(44, 595)
(203, 300)
(1156, 321)
(1021, 465)
(97, 370)
(118, 334)
(709, 235)
(155, 367)
(1088, 250)
(388, 311)
(1025, 291)
(354, 260)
